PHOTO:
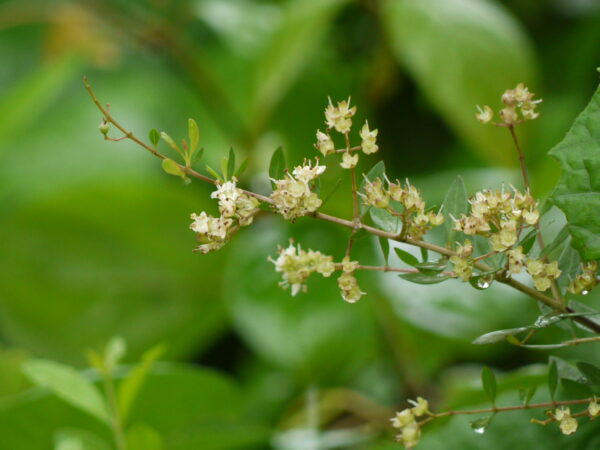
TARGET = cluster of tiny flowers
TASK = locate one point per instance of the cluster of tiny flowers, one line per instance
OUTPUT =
(292, 197)
(339, 118)
(585, 281)
(296, 265)
(519, 107)
(542, 273)
(406, 422)
(462, 262)
(416, 220)
(347, 281)
(499, 216)
(567, 423)
(237, 210)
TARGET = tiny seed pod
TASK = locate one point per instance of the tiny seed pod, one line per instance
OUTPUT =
(103, 127)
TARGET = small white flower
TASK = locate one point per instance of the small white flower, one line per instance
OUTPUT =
(349, 160)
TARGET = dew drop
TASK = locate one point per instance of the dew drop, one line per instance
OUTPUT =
(483, 283)
(479, 430)
(584, 292)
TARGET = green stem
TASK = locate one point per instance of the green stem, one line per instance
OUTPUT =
(116, 422)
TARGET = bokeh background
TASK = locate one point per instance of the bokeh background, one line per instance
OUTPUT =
(94, 238)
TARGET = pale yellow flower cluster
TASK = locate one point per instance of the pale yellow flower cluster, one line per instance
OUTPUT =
(406, 422)
(567, 423)
(462, 262)
(417, 220)
(293, 197)
(339, 118)
(234, 203)
(519, 107)
(499, 216)
(542, 273)
(237, 210)
(347, 281)
(296, 265)
(211, 232)
(585, 281)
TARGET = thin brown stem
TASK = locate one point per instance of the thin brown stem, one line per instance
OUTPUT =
(351, 149)
(539, 237)
(513, 408)
(398, 269)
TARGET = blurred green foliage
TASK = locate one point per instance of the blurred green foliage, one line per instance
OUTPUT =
(94, 240)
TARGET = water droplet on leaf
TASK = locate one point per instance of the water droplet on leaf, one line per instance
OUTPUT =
(584, 292)
(483, 283)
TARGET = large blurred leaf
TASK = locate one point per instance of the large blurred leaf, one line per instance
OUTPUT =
(190, 408)
(87, 264)
(578, 190)
(289, 49)
(461, 53)
(451, 308)
(69, 385)
(22, 106)
(316, 333)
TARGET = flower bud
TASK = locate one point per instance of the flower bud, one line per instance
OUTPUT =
(103, 127)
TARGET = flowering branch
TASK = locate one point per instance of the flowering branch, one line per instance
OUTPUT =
(409, 426)
(339, 117)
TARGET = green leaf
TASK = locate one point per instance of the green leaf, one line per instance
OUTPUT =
(78, 439)
(154, 137)
(197, 156)
(194, 136)
(552, 378)
(190, 407)
(591, 372)
(129, 388)
(560, 239)
(577, 193)
(304, 23)
(421, 278)
(23, 105)
(377, 171)
(230, 164)
(498, 335)
(214, 173)
(526, 394)
(47, 328)
(114, 352)
(584, 310)
(277, 166)
(433, 267)
(141, 436)
(384, 220)
(468, 41)
(240, 171)
(424, 254)
(172, 168)
(488, 381)
(406, 257)
(69, 385)
(575, 389)
(528, 241)
(455, 203)
(332, 191)
(328, 340)
(384, 244)
(170, 142)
